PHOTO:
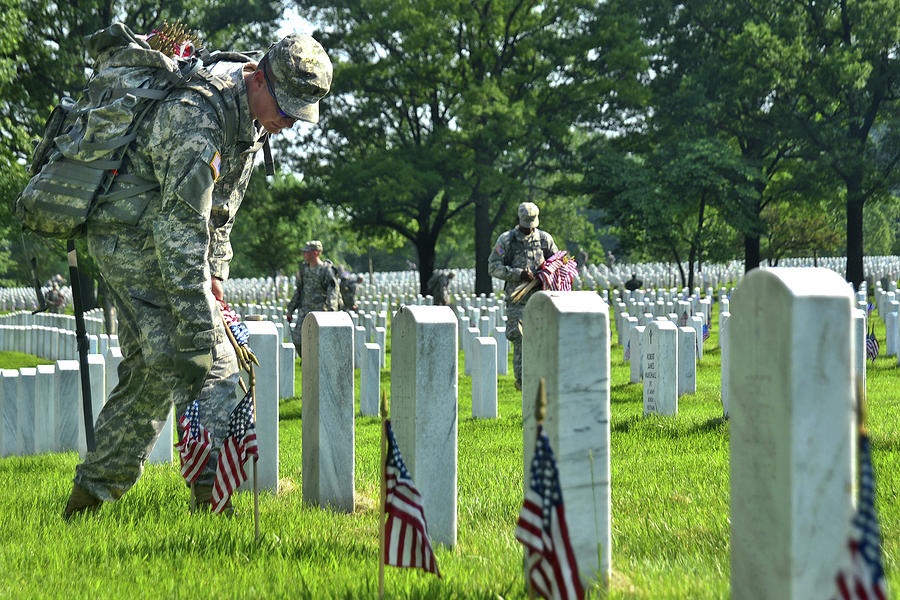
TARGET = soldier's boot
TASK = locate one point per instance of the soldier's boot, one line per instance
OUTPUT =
(80, 501)
(203, 499)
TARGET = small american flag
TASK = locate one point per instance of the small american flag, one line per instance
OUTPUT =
(683, 319)
(195, 445)
(240, 444)
(557, 272)
(871, 346)
(865, 580)
(705, 332)
(405, 530)
(628, 350)
(550, 562)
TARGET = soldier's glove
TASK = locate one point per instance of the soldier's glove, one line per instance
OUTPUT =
(527, 275)
(193, 367)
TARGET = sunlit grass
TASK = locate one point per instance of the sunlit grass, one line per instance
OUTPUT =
(670, 503)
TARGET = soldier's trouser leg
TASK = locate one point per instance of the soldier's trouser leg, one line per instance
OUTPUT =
(136, 410)
(514, 335)
(296, 336)
(217, 399)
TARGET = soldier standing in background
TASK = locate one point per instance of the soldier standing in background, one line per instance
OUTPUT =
(164, 265)
(439, 287)
(317, 289)
(515, 257)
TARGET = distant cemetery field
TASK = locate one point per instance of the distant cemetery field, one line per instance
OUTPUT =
(670, 510)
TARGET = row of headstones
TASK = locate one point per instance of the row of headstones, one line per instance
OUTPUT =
(41, 408)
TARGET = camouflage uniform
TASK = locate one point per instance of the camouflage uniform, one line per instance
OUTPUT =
(156, 253)
(348, 291)
(439, 287)
(513, 253)
(317, 289)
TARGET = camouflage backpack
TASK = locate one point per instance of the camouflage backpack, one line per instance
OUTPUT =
(83, 147)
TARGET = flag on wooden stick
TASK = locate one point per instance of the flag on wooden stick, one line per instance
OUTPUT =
(240, 444)
(550, 563)
(406, 541)
(195, 444)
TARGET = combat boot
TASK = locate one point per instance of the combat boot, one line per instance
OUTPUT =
(203, 500)
(80, 501)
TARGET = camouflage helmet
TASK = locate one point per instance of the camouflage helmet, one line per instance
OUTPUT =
(300, 74)
(528, 215)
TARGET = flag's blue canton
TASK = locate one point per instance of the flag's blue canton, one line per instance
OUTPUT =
(241, 419)
(192, 414)
(545, 477)
(240, 332)
(394, 458)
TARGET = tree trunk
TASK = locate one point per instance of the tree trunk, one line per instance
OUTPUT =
(425, 250)
(751, 252)
(855, 201)
(482, 245)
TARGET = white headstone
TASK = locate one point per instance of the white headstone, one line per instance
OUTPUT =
(724, 340)
(424, 407)
(687, 361)
(568, 346)
(46, 408)
(370, 381)
(484, 378)
(27, 396)
(286, 373)
(792, 423)
(265, 344)
(9, 413)
(502, 350)
(328, 410)
(635, 349)
(660, 366)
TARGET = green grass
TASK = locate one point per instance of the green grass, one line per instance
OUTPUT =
(669, 506)
(17, 360)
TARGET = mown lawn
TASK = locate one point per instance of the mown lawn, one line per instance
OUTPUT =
(670, 512)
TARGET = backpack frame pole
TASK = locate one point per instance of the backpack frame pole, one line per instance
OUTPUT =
(82, 340)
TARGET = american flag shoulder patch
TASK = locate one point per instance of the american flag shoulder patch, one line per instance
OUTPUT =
(216, 165)
(499, 250)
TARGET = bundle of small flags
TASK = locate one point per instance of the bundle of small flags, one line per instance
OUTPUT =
(871, 345)
(195, 444)
(405, 530)
(173, 40)
(557, 272)
(240, 444)
(238, 329)
(550, 563)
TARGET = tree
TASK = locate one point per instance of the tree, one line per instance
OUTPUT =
(441, 106)
(848, 80)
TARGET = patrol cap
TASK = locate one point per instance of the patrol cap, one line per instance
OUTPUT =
(312, 245)
(528, 214)
(300, 73)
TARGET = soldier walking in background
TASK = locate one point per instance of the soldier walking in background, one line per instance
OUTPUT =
(515, 257)
(162, 248)
(317, 289)
(348, 286)
(439, 287)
